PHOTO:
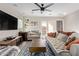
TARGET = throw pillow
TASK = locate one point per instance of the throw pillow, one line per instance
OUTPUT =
(76, 41)
(70, 40)
(74, 35)
(62, 37)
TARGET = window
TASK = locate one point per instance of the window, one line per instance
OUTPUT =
(50, 27)
(20, 24)
(59, 26)
(44, 27)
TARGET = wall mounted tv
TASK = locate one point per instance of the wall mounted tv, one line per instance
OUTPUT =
(7, 22)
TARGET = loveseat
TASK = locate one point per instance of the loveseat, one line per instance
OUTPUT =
(57, 45)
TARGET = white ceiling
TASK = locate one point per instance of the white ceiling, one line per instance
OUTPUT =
(25, 9)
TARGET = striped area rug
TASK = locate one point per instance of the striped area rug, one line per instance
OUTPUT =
(25, 50)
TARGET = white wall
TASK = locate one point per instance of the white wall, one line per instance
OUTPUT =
(48, 19)
(7, 33)
(71, 22)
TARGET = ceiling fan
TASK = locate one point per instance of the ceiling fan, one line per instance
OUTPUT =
(43, 8)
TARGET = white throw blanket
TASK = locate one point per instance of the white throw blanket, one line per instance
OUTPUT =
(9, 51)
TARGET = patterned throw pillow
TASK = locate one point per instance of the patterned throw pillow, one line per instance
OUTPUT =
(62, 37)
(76, 41)
(70, 40)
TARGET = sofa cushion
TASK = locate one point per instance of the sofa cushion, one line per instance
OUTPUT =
(62, 37)
(59, 46)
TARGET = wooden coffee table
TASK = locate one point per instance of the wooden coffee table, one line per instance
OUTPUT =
(38, 45)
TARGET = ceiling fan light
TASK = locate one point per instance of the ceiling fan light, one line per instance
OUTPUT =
(42, 12)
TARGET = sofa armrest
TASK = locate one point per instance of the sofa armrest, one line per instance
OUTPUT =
(74, 50)
(64, 53)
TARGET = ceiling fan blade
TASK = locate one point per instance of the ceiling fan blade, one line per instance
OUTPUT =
(48, 10)
(49, 5)
(35, 9)
(37, 5)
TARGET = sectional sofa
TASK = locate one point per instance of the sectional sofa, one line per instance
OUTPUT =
(57, 45)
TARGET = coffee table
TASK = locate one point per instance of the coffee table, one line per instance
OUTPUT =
(38, 45)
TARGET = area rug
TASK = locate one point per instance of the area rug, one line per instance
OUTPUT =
(25, 51)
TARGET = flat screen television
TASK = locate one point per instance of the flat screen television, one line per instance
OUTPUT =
(7, 22)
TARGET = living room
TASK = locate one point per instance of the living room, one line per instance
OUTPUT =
(58, 21)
